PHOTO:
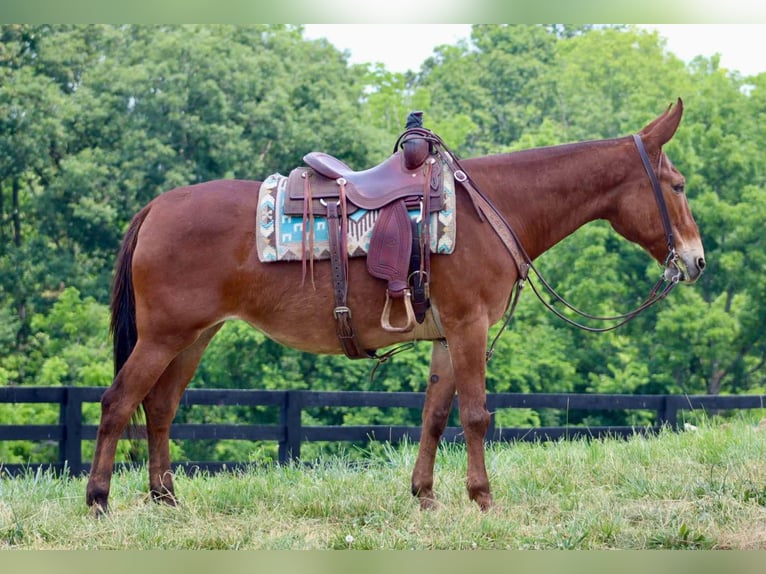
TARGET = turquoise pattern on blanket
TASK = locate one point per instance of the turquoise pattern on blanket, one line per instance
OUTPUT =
(280, 237)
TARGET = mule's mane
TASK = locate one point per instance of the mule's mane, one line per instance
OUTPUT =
(553, 152)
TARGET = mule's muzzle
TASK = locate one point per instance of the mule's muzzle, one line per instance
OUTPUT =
(685, 267)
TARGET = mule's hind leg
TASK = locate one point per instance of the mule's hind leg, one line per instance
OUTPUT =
(439, 396)
(118, 403)
(160, 407)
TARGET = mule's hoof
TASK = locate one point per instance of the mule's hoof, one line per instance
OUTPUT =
(425, 496)
(484, 501)
(164, 496)
(99, 510)
(97, 503)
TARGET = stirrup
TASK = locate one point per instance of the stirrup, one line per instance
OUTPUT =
(385, 318)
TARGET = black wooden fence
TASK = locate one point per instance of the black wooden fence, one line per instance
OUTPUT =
(290, 432)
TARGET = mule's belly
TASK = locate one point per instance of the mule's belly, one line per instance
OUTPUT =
(296, 313)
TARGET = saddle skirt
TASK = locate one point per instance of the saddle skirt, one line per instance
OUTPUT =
(280, 236)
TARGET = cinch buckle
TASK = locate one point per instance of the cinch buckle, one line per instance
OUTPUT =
(342, 309)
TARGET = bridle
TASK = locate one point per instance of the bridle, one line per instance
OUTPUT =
(486, 209)
(672, 257)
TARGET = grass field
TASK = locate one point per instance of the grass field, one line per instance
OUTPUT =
(704, 489)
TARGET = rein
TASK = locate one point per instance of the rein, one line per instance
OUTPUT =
(487, 210)
(655, 295)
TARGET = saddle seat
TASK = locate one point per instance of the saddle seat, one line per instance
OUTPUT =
(370, 189)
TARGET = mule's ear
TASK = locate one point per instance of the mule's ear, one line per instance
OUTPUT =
(662, 129)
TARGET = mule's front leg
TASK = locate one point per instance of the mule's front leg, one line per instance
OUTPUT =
(468, 353)
(436, 410)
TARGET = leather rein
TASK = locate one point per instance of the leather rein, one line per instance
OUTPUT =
(487, 210)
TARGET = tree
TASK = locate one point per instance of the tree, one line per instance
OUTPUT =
(610, 80)
(31, 140)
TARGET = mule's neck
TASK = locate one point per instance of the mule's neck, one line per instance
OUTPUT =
(548, 193)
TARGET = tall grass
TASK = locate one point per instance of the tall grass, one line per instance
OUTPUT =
(703, 489)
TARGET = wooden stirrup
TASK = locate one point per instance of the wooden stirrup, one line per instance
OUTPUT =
(385, 318)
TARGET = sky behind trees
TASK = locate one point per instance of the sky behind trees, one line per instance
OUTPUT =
(401, 47)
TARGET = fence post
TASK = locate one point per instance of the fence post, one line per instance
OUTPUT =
(70, 416)
(290, 446)
(668, 414)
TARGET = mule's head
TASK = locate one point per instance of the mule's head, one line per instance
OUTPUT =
(639, 215)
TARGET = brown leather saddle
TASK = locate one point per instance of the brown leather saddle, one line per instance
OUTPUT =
(399, 247)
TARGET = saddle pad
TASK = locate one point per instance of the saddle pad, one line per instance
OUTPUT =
(279, 237)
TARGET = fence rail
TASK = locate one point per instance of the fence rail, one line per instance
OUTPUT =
(290, 432)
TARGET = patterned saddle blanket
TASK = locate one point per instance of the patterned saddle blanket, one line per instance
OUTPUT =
(279, 237)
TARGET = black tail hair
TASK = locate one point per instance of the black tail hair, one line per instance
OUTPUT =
(123, 309)
(123, 304)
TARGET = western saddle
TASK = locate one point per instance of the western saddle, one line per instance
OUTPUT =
(410, 179)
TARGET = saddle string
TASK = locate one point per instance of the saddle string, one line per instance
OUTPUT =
(380, 359)
(343, 228)
(308, 230)
(425, 236)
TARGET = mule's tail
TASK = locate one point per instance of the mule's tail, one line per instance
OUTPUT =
(123, 304)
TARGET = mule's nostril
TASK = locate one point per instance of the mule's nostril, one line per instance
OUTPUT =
(701, 263)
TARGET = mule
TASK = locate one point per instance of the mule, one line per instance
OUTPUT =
(188, 263)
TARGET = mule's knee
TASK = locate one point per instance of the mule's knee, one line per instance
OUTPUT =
(114, 410)
(475, 421)
(435, 422)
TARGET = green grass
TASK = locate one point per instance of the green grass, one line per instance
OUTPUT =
(691, 490)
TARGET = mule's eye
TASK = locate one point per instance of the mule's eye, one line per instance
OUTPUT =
(678, 188)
